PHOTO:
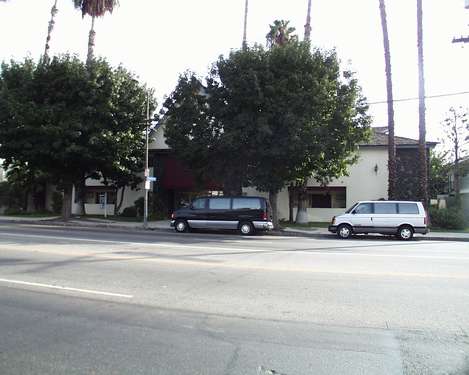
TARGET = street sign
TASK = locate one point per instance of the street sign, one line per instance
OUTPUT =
(147, 185)
(151, 179)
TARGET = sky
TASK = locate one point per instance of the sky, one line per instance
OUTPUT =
(158, 40)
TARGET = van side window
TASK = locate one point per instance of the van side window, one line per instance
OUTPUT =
(364, 208)
(246, 203)
(385, 208)
(198, 204)
(219, 203)
(408, 208)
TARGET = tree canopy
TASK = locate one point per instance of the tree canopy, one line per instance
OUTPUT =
(268, 117)
(71, 121)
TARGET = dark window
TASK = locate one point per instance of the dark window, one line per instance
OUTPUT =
(320, 201)
(364, 208)
(219, 203)
(408, 208)
(198, 204)
(385, 208)
(246, 203)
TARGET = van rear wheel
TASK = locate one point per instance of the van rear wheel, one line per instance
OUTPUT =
(405, 233)
(246, 228)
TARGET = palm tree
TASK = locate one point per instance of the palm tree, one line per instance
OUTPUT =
(245, 31)
(94, 8)
(423, 169)
(53, 13)
(308, 23)
(280, 34)
(391, 144)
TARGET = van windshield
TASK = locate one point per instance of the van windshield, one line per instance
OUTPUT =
(351, 208)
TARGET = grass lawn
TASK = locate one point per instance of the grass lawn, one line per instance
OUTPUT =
(311, 224)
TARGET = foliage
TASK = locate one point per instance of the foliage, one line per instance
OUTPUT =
(71, 121)
(280, 34)
(439, 174)
(95, 8)
(130, 211)
(447, 218)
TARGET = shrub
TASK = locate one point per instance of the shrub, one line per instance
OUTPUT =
(447, 218)
(129, 212)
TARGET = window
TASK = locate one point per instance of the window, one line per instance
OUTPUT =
(408, 208)
(327, 197)
(364, 208)
(198, 204)
(246, 203)
(219, 203)
(385, 208)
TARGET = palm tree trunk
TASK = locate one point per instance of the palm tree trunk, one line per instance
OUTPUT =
(390, 100)
(118, 208)
(245, 31)
(308, 23)
(423, 164)
(91, 39)
(53, 13)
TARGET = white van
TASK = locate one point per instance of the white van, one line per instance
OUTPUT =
(402, 218)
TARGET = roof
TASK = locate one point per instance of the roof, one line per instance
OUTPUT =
(379, 137)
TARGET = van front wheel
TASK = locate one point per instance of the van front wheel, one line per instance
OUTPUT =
(344, 231)
(246, 229)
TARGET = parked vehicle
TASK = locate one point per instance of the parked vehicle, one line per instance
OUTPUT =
(401, 218)
(245, 214)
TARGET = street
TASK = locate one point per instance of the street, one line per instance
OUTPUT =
(76, 301)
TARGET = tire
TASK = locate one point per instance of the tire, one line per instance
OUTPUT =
(181, 226)
(405, 233)
(344, 231)
(246, 229)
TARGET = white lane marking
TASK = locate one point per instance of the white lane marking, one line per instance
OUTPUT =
(49, 286)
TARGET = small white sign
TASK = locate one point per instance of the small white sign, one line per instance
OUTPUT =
(147, 172)
(147, 185)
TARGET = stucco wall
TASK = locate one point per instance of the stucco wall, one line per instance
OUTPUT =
(367, 180)
(158, 140)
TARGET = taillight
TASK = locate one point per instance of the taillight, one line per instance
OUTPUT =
(333, 219)
(264, 216)
(425, 219)
(172, 215)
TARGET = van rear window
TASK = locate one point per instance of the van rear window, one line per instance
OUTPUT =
(246, 203)
(408, 208)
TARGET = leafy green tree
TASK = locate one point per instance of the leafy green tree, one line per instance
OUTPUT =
(268, 117)
(94, 9)
(439, 173)
(71, 121)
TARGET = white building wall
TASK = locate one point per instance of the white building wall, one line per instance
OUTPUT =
(158, 140)
(367, 180)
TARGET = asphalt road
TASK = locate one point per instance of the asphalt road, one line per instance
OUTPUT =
(94, 302)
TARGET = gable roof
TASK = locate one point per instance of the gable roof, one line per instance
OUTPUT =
(379, 137)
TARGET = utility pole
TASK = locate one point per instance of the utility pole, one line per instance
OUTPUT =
(147, 171)
(308, 23)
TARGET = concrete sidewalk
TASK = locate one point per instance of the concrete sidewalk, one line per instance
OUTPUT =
(164, 225)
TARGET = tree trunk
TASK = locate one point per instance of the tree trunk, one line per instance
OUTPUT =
(117, 210)
(307, 37)
(91, 39)
(302, 212)
(53, 13)
(457, 184)
(423, 163)
(273, 195)
(291, 193)
(390, 100)
(67, 203)
(245, 31)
